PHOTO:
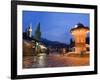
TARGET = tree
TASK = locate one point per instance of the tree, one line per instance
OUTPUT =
(72, 42)
(37, 35)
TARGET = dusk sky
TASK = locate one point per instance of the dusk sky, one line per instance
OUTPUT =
(55, 26)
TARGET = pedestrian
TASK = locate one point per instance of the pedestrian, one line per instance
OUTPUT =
(64, 51)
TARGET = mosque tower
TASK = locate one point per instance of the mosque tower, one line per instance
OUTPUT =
(29, 31)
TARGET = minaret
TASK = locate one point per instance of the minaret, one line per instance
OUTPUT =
(79, 33)
(29, 31)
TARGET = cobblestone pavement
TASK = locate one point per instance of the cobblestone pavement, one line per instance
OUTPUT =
(54, 60)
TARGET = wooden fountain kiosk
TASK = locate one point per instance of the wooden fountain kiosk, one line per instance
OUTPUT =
(79, 33)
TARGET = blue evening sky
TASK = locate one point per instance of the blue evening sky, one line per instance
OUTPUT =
(55, 26)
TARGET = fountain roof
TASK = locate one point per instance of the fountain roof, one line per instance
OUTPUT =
(79, 26)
